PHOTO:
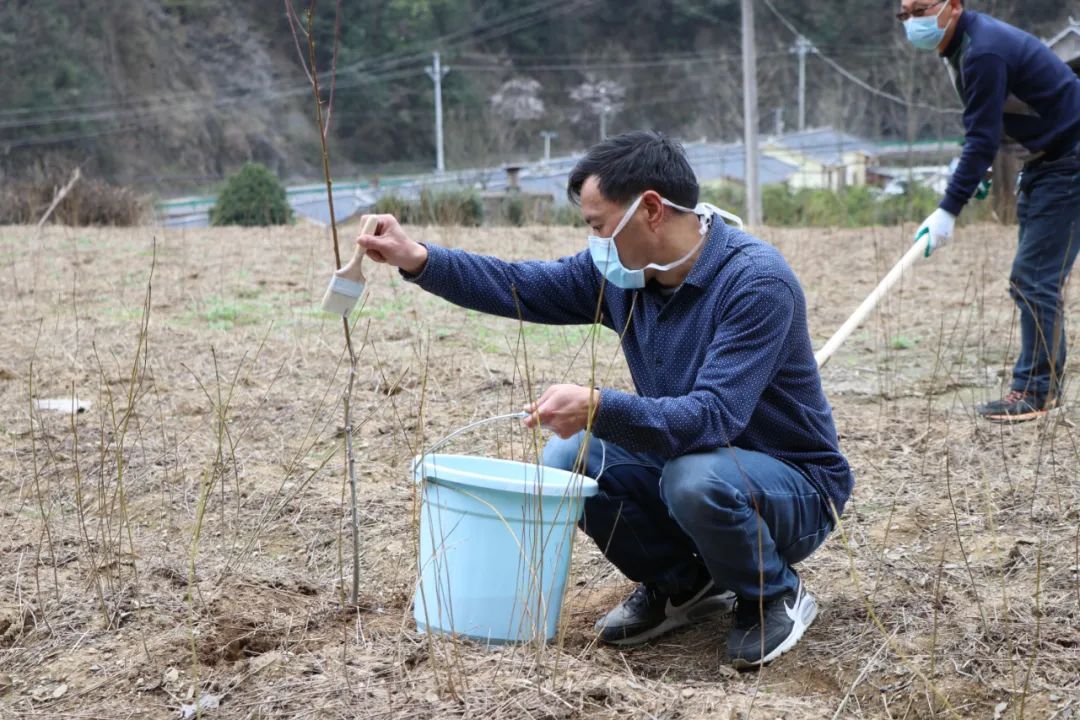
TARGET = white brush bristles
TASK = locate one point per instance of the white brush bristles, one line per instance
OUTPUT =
(341, 296)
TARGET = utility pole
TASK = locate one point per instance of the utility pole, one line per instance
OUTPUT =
(437, 72)
(750, 115)
(801, 48)
(607, 104)
(548, 135)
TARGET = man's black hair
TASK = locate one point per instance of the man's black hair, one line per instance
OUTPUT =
(629, 164)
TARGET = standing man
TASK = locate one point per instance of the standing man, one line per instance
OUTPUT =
(1012, 84)
(723, 469)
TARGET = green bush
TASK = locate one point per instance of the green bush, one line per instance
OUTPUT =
(394, 205)
(821, 208)
(253, 196)
(566, 214)
(856, 206)
(448, 207)
(515, 211)
(861, 206)
(911, 206)
(451, 207)
(779, 206)
(725, 196)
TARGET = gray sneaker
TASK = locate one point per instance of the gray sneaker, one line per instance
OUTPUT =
(763, 632)
(649, 612)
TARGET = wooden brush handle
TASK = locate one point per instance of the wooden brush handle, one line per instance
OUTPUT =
(353, 271)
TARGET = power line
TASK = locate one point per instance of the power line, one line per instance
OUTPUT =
(508, 23)
(247, 98)
(859, 81)
(378, 69)
(607, 65)
(521, 62)
(143, 118)
(71, 137)
(500, 25)
(186, 100)
(154, 99)
(499, 63)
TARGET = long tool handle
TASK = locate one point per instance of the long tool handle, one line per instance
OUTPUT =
(919, 248)
(353, 271)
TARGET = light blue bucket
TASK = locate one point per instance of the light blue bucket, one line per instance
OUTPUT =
(495, 542)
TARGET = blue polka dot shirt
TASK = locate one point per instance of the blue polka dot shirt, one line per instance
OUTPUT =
(725, 360)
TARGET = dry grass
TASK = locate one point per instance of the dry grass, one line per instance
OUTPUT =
(187, 533)
(90, 202)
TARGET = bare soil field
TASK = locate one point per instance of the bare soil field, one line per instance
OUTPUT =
(187, 535)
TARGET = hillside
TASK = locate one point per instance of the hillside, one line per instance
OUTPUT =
(174, 94)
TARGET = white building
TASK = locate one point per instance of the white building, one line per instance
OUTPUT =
(1066, 44)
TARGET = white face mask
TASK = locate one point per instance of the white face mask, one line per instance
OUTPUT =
(606, 257)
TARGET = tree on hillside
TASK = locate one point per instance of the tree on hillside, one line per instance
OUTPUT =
(600, 99)
(515, 105)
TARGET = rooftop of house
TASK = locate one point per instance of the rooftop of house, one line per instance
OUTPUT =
(1067, 44)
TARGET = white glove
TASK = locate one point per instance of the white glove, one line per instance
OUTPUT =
(939, 226)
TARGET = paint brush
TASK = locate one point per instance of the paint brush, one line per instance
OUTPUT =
(348, 282)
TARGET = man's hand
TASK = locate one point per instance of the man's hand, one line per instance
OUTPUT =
(391, 245)
(939, 226)
(563, 409)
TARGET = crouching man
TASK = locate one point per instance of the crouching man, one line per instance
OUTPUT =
(723, 469)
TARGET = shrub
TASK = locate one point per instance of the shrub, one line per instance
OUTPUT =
(725, 196)
(856, 206)
(860, 206)
(394, 205)
(253, 196)
(821, 208)
(448, 207)
(565, 214)
(779, 206)
(912, 206)
(90, 202)
(515, 211)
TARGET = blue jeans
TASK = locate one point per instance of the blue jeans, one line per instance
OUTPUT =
(743, 516)
(1048, 209)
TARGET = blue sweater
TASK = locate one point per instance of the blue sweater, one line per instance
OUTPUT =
(1010, 82)
(725, 360)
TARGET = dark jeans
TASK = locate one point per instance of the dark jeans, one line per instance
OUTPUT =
(1048, 209)
(743, 516)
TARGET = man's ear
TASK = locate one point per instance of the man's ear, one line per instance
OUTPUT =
(654, 208)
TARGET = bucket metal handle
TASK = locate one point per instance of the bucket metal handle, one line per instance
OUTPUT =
(509, 416)
(447, 438)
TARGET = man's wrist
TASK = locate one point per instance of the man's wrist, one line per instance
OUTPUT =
(416, 266)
